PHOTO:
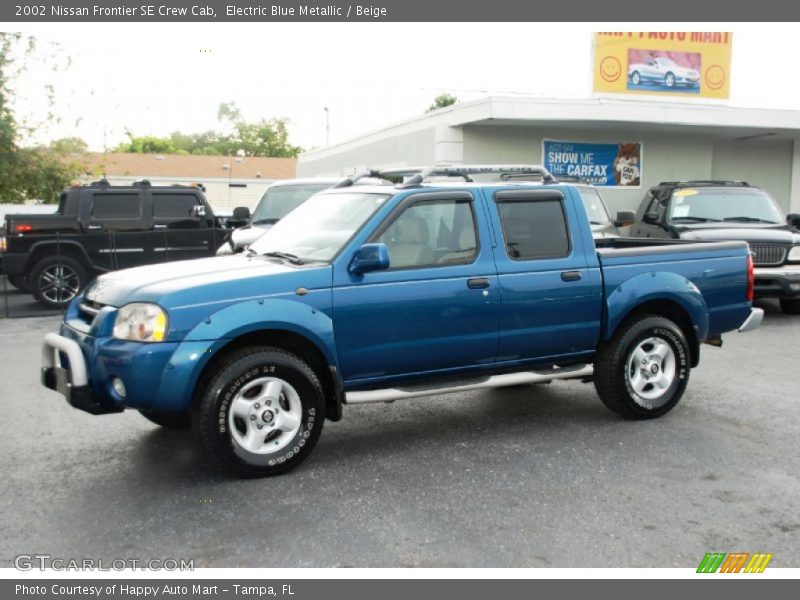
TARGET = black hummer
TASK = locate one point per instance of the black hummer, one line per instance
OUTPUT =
(102, 227)
(730, 210)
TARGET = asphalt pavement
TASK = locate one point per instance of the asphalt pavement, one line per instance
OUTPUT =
(540, 476)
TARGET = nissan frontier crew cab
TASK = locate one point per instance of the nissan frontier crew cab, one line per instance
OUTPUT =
(380, 293)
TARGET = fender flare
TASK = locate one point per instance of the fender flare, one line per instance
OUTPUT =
(219, 329)
(29, 263)
(656, 285)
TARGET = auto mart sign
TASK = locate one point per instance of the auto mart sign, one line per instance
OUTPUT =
(692, 64)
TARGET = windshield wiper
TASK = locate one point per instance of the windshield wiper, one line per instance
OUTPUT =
(292, 258)
(749, 220)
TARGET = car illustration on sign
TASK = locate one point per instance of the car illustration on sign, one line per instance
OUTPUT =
(662, 72)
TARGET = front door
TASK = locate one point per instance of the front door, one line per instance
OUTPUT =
(438, 305)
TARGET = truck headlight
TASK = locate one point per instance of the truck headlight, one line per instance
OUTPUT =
(794, 254)
(141, 322)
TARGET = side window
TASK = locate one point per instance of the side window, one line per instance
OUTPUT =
(116, 206)
(174, 206)
(658, 204)
(432, 233)
(534, 229)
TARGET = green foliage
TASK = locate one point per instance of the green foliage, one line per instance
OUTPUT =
(441, 101)
(260, 138)
(37, 172)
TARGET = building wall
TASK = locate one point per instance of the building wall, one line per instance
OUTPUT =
(410, 149)
(758, 162)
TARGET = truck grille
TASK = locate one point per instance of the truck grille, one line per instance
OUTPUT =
(768, 254)
(87, 310)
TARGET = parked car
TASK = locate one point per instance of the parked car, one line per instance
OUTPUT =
(663, 71)
(379, 293)
(101, 227)
(278, 200)
(730, 210)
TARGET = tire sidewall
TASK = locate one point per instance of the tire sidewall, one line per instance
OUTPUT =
(36, 274)
(672, 335)
(228, 384)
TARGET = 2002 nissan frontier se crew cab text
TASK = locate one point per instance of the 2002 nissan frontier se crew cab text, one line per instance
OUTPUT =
(374, 293)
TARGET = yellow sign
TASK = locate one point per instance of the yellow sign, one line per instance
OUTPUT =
(666, 63)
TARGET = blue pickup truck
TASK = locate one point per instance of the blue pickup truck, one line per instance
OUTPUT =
(379, 293)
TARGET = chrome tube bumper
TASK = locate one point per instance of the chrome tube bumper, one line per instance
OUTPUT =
(753, 320)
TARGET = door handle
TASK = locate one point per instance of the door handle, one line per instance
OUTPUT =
(478, 283)
(159, 226)
(571, 276)
(94, 227)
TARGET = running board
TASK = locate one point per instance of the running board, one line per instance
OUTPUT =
(494, 381)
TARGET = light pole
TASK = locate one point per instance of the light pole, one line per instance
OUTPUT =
(327, 126)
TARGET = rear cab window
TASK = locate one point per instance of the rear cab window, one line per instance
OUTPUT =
(534, 225)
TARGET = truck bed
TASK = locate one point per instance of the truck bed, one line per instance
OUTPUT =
(717, 269)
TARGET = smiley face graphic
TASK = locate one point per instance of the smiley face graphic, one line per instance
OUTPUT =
(610, 69)
(715, 77)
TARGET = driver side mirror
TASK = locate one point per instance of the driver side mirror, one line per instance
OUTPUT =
(793, 219)
(199, 210)
(650, 218)
(370, 257)
(241, 213)
(624, 218)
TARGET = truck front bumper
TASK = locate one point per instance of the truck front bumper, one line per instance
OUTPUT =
(90, 372)
(777, 282)
(753, 320)
(71, 380)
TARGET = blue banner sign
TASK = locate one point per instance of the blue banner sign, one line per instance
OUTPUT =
(618, 165)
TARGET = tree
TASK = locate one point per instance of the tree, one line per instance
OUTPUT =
(441, 101)
(266, 137)
(34, 172)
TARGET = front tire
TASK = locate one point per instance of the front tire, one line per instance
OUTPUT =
(56, 280)
(642, 372)
(262, 413)
(791, 306)
(636, 79)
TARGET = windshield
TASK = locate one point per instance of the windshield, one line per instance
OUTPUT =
(318, 229)
(594, 206)
(667, 62)
(745, 205)
(279, 200)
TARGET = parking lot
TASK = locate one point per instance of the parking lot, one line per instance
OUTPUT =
(540, 476)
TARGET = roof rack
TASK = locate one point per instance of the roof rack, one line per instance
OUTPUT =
(702, 182)
(505, 171)
(418, 175)
(142, 183)
(101, 183)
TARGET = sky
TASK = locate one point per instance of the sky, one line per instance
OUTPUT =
(158, 78)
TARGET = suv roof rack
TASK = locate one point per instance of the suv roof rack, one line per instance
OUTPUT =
(702, 182)
(100, 183)
(506, 172)
(142, 183)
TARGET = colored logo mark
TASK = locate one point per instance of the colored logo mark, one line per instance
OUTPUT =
(736, 562)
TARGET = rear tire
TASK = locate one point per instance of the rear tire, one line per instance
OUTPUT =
(791, 306)
(642, 372)
(56, 280)
(261, 413)
(168, 420)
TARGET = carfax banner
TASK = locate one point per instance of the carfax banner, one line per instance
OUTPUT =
(618, 165)
(674, 63)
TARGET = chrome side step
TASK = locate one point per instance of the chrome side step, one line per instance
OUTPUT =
(494, 381)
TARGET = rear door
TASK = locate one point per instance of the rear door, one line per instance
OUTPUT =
(180, 232)
(115, 227)
(551, 294)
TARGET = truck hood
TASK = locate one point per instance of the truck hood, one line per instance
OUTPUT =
(220, 279)
(749, 232)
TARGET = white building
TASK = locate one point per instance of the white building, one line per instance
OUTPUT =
(679, 141)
